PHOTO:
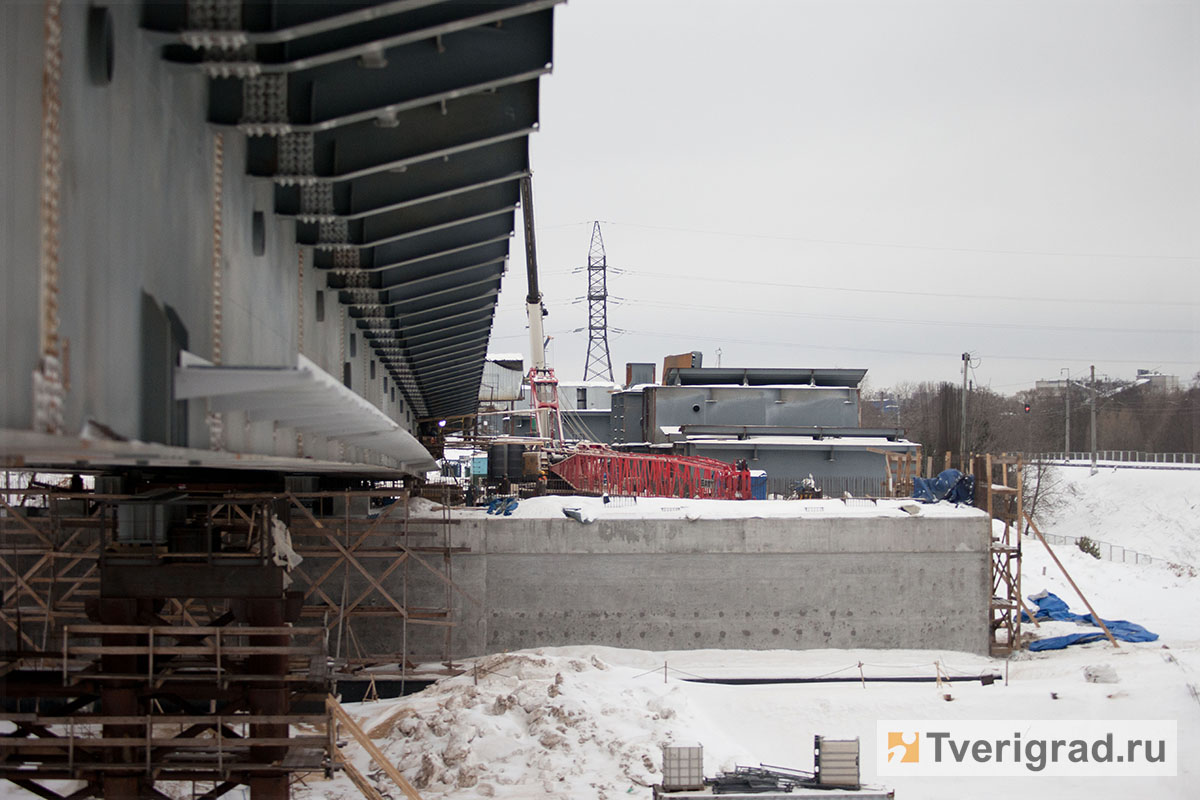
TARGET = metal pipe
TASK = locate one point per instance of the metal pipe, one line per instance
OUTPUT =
(984, 678)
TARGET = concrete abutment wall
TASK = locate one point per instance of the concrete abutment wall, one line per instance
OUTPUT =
(889, 581)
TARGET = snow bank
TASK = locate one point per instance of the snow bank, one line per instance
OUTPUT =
(1154, 511)
(423, 507)
(628, 508)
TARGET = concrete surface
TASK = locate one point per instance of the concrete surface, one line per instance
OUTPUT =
(736, 583)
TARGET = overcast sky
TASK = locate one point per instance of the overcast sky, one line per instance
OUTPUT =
(882, 185)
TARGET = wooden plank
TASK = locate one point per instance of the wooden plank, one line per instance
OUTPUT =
(192, 769)
(198, 743)
(315, 586)
(36, 788)
(183, 650)
(161, 681)
(357, 778)
(366, 574)
(441, 576)
(367, 592)
(20, 581)
(18, 629)
(188, 630)
(304, 510)
(330, 552)
(1067, 575)
(172, 719)
(218, 790)
(20, 519)
(339, 714)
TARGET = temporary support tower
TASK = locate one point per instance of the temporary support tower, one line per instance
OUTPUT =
(180, 634)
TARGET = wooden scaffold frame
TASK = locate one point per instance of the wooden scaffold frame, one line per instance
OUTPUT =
(164, 658)
(999, 490)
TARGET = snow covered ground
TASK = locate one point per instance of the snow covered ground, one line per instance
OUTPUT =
(589, 721)
(634, 508)
(1153, 511)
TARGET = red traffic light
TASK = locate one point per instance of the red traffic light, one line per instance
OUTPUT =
(1027, 408)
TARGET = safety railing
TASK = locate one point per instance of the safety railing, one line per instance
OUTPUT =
(1131, 457)
(1116, 552)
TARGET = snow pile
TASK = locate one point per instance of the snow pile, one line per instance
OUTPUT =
(423, 507)
(1153, 511)
(533, 725)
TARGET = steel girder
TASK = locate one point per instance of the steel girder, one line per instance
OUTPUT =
(382, 326)
(396, 134)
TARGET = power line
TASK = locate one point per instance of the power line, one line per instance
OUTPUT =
(907, 293)
(791, 345)
(901, 246)
(941, 323)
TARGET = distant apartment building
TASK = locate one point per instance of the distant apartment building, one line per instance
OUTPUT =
(1144, 377)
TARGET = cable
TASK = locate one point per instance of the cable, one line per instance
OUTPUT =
(791, 346)
(845, 318)
(897, 246)
(911, 293)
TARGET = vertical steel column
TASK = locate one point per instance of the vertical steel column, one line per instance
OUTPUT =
(267, 697)
(120, 698)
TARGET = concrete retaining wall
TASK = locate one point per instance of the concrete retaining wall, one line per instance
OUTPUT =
(841, 582)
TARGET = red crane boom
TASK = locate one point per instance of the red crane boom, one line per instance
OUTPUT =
(596, 470)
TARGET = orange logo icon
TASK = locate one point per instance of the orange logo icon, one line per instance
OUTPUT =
(904, 748)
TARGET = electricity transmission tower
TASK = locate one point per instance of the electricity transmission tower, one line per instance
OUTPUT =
(599, 363)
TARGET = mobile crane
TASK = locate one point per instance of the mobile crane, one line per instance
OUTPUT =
(543, 385)
(597, 468)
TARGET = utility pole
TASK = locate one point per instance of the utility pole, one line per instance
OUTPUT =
(1067, 435)
(962, 430)
(1094, 393)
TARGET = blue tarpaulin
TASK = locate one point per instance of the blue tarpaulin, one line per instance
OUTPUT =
(502, 505)
(949, 485)
(1051, 606)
